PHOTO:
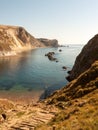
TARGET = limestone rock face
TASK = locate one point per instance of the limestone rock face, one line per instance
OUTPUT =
(13, 38)
(88, 55)
(48, 42)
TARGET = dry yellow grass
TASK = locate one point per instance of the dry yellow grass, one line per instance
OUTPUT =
(80, 114)
(77, 102)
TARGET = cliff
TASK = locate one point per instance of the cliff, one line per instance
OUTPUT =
(13, 39)
(48, 42)
(88, 55)
(77, 103)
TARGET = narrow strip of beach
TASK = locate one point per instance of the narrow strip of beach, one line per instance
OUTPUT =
(21, 97)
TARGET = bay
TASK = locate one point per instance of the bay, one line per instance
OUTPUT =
(33, 71)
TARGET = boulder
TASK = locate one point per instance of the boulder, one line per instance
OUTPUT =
(50, 53)
(64, 67)
(69, 71)
(1, 119)
(4, 116)
(50, 56)
(60, 50)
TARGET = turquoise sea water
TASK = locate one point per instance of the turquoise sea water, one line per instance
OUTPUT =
(31, 70)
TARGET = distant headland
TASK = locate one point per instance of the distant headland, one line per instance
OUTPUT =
(14, 39)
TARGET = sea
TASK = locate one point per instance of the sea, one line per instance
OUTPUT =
(32, 71)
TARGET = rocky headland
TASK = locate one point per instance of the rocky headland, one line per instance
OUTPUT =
(49, 42)
(14, 39)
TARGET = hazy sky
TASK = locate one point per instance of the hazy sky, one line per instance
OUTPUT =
(69, 21)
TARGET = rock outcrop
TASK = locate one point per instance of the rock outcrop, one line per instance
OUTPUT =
(88, 55)
(50, 56)
(14, 39)
(48, 42)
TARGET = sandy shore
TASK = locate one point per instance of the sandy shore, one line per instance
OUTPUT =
(16, 51)
(24, 97)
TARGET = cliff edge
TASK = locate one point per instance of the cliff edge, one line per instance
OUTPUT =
(84, 60)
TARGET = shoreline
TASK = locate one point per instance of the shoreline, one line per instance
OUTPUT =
(16, 51)
(21, 97)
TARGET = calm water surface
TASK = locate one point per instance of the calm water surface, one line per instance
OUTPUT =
(33, 71)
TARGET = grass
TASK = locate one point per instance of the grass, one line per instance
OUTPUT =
(78, 103)
(19, 114)
(86, 118)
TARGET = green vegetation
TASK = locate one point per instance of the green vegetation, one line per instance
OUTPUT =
(21, 113)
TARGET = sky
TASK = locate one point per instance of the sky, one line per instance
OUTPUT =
(68, 21)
